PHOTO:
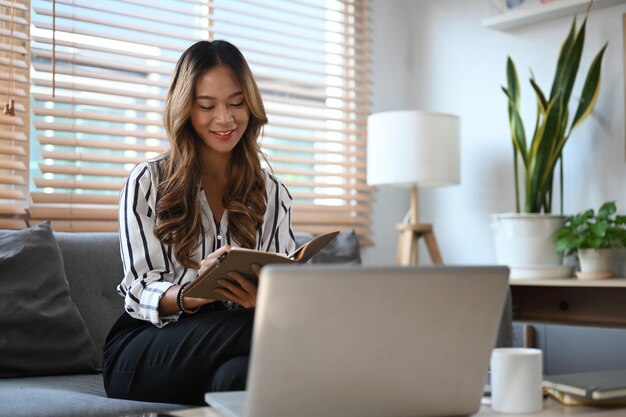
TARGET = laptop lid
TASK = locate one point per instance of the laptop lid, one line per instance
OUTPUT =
(373, 341)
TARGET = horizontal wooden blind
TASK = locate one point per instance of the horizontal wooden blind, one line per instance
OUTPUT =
(101, 70)
(14, 90)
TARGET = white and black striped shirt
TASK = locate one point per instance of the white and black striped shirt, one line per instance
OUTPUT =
(150, 267)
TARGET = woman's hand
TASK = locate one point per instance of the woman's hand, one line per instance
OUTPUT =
(210, 260)
(238, 288)
(168, 303)
(206, 263)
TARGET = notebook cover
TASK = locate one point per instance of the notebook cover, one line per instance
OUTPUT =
(241, 260)
(596, 385)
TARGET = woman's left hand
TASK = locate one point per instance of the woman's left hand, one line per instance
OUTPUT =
(239, 289)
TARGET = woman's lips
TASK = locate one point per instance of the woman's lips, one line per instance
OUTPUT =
(224, 134)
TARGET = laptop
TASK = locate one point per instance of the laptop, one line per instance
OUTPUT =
(346, 341)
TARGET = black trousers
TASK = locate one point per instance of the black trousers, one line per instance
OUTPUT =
(178, 363)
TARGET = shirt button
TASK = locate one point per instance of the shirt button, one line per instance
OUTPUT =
(219, 237)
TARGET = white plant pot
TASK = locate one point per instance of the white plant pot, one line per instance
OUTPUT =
(595, 263)
(524, 242)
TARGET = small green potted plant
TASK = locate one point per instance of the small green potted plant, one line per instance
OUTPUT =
(593, 236)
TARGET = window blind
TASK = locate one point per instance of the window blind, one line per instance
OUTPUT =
(14, 121)
(100, 71)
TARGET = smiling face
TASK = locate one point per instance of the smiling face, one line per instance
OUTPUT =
(220, 114)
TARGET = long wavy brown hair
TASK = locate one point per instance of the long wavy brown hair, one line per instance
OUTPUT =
(178, 212)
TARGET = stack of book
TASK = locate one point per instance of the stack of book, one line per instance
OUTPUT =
(597, 388)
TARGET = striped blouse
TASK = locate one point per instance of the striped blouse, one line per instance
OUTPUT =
(150, 267)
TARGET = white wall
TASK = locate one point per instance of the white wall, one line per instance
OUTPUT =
(458, 66)
(392, 75)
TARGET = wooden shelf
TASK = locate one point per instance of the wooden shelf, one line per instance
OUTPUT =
(526, 15)
(570, 301)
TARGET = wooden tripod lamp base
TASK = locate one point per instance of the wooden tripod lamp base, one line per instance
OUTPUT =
(410, 233)
(407, 244)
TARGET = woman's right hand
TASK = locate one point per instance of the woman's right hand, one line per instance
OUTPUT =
(210, 260)
(168, 303)
(206, 263)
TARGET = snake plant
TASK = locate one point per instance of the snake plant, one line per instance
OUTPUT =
(552, 127)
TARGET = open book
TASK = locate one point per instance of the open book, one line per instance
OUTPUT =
(241, 260)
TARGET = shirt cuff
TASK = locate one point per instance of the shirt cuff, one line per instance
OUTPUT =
(149, 303)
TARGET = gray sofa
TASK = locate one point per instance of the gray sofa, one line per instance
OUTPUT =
(93, 269)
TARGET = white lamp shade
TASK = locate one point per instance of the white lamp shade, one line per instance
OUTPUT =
(412, 147)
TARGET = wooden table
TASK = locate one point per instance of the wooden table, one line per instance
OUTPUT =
(551, 408)
(570, 301)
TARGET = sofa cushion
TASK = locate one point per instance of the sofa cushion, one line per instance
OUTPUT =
(344, 249)
(42, 330)
(93, 267)
(68, 396)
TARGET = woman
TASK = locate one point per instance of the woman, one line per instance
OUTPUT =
(177, 214)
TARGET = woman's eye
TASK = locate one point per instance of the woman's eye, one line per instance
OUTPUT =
(206, 107)
(237, 104)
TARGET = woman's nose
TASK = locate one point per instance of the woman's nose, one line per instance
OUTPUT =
(224, 114)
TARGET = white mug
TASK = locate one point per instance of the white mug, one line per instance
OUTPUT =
(516, 376)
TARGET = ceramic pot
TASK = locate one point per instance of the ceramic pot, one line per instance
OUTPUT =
(524, 242)
(595, 263)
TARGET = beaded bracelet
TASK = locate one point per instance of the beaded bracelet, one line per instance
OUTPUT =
(179, 300)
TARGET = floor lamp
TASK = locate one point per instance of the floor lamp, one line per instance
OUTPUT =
(413, 149)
